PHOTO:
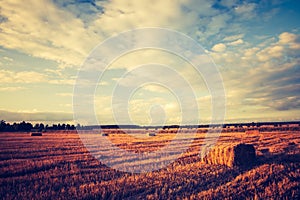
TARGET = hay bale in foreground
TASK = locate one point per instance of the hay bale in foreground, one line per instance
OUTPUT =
(241, 155)
(36, 134)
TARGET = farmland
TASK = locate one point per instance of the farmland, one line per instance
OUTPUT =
(58, 166)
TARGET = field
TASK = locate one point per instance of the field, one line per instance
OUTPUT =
(58, 166)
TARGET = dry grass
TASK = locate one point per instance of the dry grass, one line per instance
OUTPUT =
(57, 166)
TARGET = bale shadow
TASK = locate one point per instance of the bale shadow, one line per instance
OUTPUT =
(281, 158)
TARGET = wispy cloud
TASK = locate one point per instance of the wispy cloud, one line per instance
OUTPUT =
(246, 10)
(233, 37)
(64, 94)
(219, 47)
(11, 89)
(36, 116)
(7, 59)
(21, 77)
(263, 75)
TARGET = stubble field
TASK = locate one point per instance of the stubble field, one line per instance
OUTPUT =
(58, 166)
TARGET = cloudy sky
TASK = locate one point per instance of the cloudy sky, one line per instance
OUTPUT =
(255, 45)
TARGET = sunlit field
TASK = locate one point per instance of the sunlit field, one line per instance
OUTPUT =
(58, 166)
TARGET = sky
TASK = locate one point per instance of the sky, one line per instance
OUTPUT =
(255, 45)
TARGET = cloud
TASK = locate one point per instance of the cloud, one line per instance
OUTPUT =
(21, 77)
(287, 103)
(85, 10)
(246, 10)
(233, 37)
(286, 44)
(217, 23)
(266, 54)
(155, 88)
(8, 59)
(12, 89)
(219, 47)
(62, 81)
(59, 117)
(262, 77)
(26, 77)
(250, 52)
(279, 88)
(54, 34)
(236, 42)
(64, 94)
(287, 38)
(155, 111)
(66, 31)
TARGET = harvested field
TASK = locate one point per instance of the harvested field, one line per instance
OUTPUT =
(58, 166)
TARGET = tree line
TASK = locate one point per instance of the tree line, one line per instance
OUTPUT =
(26, 126)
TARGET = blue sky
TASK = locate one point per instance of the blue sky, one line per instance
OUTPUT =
(254, 44)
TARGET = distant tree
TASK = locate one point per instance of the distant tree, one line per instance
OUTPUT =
(68, 127)
(23, 126)
(2, 125)
(28, 126)
(42, 126)
(16, 126)
(54, 127)
(9, 128)
(36, 126)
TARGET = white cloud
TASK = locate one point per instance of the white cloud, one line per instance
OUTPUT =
(64, 94)
(233, 37)
(122, 15)
(286, 44)
(21, 77)
(248, 53)
(217, 23)
(246, 11)
(236, 42)
(11, 89)
(57, 34)
(154, 111)
(259, 74)
(287, 38)
(7, 59)
(48, 32)
(219, 47)
(11, 77)
(155, 88)
(62, 81)
(268, 53)
(13, 116)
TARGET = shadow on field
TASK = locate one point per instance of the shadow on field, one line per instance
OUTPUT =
(282, 158)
